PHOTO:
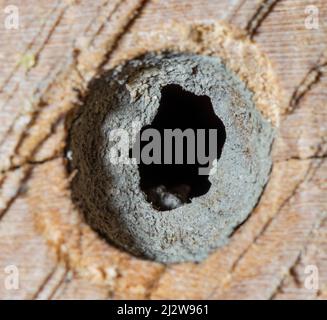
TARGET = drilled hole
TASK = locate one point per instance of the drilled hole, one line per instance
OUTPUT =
(168, 186)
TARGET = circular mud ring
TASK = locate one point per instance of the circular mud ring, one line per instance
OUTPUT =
(110, 195)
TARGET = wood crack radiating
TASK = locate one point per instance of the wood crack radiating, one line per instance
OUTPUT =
(308, 82)
(262, 12)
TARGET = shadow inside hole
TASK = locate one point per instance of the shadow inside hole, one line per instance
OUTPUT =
(168, 186)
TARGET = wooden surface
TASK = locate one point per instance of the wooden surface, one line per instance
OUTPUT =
(57, 255)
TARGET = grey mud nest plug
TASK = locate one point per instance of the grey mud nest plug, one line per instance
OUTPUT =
(168, 213)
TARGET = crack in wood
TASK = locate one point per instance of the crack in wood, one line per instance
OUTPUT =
(35, 115)
(320, 153)
(76, 52)
(252, 28)
(291, 270)
(59, 284)
(28, 166)
(56, 122)
(126, 28)
(307, 83)
(117, 5)
(50, 33)
(95, 17)
(236, 10)
(279, 287)
(38, 52)
(29, 46)
(44, 283)
(33, 163)
(307, 178)
(259, 16)
(18, 192)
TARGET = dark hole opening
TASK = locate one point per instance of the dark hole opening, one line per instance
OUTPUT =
(168, 186)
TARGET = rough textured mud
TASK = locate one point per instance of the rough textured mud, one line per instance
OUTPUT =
(110, 194)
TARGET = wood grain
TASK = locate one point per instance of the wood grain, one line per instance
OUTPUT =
(72, 41)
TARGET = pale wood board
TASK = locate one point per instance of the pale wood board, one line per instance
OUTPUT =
(72, 40)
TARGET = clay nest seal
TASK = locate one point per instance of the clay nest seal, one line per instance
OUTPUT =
(160, 219)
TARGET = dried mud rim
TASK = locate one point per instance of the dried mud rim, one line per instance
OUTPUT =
(75, 242)
(110, 194)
